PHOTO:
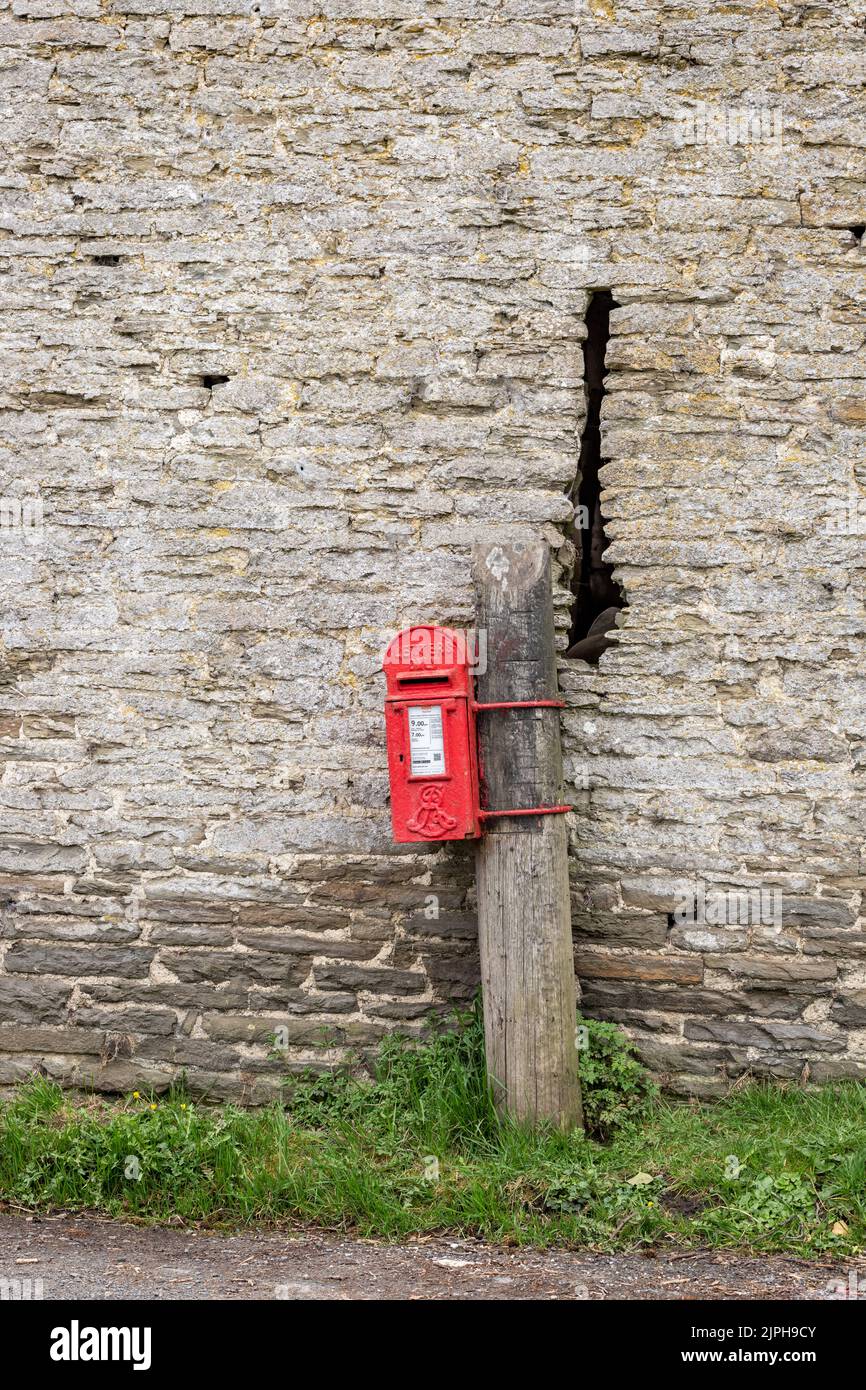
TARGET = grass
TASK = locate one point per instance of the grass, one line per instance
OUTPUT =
(419, 1149)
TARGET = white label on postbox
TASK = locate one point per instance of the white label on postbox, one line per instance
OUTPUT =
(426, 740)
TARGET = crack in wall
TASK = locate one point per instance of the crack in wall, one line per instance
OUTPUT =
(597, 596)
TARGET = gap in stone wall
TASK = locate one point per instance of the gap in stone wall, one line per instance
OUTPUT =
(595, 590)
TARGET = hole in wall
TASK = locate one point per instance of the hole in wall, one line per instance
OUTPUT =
(106, 260)
(597, 596)
(216, 380)
(858, 230)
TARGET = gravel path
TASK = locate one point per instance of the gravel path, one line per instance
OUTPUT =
(88, 1258)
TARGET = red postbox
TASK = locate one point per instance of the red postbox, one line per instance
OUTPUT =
(430, 710)
(430, 731)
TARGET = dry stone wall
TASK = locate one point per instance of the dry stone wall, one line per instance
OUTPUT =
(292, 305)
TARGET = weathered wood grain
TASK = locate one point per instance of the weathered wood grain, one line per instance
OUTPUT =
(522, 862)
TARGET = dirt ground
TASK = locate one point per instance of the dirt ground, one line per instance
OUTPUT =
(88, 1258)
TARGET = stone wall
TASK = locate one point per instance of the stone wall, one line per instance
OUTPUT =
(292, 305)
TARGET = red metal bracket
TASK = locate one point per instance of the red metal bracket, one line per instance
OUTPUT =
(523, 704)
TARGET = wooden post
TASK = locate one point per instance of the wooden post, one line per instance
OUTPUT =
(524, 917)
